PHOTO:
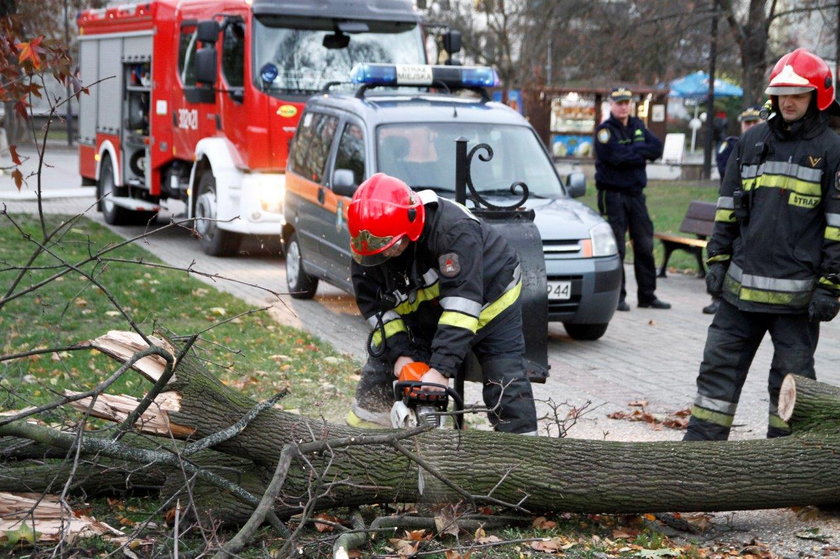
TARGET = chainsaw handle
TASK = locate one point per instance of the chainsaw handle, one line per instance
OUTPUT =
(399, 386)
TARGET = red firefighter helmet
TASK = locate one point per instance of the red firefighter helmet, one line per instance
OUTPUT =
(383, 211)
(800, 71)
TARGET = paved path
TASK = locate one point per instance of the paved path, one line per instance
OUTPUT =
(645, 355)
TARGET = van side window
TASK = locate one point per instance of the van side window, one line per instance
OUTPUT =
(351, 152)
(312, 145)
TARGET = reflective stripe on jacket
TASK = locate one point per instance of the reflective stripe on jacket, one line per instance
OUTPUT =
(432, 300)
(789, 180)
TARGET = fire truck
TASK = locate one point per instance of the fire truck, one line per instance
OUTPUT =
(197, 100)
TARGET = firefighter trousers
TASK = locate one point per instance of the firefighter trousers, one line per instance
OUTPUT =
(732, 341)
(627, 213)
(498, 347)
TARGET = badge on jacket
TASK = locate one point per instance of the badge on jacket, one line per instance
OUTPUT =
(603, 135)
(449, 265)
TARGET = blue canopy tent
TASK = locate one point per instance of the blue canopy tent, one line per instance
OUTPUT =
(695, 87)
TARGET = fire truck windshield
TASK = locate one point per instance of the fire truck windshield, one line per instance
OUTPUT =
(309, 53)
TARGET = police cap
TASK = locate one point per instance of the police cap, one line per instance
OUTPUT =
(750, 113)
(620, 94)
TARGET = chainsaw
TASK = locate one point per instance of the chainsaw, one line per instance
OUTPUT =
(418, 403)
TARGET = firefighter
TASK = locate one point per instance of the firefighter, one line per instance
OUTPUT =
(748, 118)
(623, 147)
(435, 282)
(774, 254)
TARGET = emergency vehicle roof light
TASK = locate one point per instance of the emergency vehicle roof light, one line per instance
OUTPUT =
(451, 77)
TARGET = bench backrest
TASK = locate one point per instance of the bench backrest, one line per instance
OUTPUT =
(699, 219)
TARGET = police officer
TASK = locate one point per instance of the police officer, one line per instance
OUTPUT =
(623, 147)
(748, 118)
(434, 282)
(774, 254)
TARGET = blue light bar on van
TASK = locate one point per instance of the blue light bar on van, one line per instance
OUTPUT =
(412, 74)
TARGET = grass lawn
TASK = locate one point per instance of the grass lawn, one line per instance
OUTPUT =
(246, 348)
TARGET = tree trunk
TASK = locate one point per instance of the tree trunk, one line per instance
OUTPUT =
(539, 474)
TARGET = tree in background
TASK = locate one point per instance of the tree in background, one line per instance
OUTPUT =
(564, 42)
(36, 40)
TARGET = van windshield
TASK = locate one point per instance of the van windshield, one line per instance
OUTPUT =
(298, 48)
(423, 155)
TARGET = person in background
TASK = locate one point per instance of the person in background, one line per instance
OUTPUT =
(748, 118)
(774, 254)
(623, 146)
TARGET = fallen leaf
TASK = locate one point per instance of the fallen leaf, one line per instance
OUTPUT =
(542, 523)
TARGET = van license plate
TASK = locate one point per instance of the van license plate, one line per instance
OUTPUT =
(559, 290)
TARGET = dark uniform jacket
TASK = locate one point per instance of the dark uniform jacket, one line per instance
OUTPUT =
(432, 300)
(724, 151)
(777, 222)
(621, 153)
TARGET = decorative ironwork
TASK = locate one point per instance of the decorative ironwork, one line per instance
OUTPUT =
(463, 178)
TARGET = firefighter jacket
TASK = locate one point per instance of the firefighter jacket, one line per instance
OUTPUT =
(621, 154)
(777, 223)
(431, 301)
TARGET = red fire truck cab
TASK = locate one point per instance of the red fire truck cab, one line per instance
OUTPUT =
(197, 100)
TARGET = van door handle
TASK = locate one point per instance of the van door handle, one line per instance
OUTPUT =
(321, 195)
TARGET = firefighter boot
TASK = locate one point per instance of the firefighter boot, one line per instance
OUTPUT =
(371, 408)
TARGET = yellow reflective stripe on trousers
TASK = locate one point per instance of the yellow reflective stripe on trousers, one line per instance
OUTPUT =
(777, 422)
(717, 418)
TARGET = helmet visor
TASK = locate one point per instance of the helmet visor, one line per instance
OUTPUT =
(787, 89)
(371, 250)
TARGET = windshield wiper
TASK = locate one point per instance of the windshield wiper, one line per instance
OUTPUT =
(438, 189)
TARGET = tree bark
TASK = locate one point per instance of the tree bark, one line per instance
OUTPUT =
(536, 474)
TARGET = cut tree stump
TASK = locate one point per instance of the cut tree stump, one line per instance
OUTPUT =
(538, 474)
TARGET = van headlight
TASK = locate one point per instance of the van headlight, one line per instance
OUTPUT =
(603, 240)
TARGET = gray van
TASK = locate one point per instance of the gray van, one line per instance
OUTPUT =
(343, 138)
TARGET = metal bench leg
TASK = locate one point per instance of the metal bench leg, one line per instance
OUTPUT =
(668, 248)
(701, 268)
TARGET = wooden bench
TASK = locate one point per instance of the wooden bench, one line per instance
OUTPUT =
(699, 220)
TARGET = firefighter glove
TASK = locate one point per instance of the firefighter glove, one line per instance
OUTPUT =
(714, 279)
(824, 305)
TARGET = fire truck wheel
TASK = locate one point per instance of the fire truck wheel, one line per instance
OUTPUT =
(213, 241)
(106, 190)
(301, 285)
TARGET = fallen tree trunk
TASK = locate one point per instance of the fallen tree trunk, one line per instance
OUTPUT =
(537, 474)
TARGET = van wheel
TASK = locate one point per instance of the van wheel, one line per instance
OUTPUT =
(585, 331)
(213, 241)
(106, 190)
(301, 285)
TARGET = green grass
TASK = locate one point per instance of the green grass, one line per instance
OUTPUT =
(667, 202)
(245, 348)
